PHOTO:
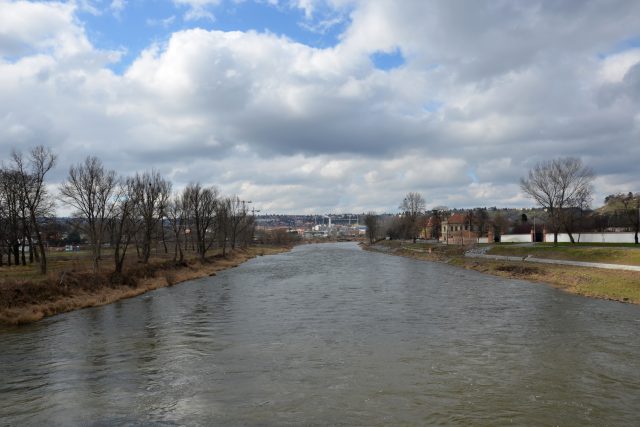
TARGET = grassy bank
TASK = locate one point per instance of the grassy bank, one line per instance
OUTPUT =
(611, 255)
(606, 284)
(614, 285)
(426, 251)
(28, 298)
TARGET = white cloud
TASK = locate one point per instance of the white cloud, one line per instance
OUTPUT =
(27, 28)
(297, 128)
(165, 23)
(117, 6)
(615, 67)
(197, 9)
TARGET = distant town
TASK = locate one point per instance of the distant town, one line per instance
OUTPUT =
(609, 223)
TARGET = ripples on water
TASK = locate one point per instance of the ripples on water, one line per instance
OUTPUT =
(330, 334)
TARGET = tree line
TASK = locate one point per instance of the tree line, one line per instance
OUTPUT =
(408, 225)
(124, 213)
(24, 199)
(562, 189)
(415, 221)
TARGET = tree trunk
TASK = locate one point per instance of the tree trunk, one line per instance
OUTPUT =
(146, 248)
(43, 258)
(119, 257)
(120, 245)
(571, 237)
(135, 241)
(16, 253)
(164, 242)
(555, 238)
(636, 236)
(119, 260)
(97, 247)
(30, 250)
(201, 248)
(22, 254)
(36, 256)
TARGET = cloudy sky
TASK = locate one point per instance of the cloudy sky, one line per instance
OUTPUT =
(328, 105)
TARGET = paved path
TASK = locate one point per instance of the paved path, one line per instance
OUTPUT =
(480, 252)
(585, 264)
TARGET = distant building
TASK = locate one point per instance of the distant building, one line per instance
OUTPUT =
(458, 229)
(432, 228)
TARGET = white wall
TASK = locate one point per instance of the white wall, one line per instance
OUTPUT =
(594, 237)
(516, 238)
(483, 240)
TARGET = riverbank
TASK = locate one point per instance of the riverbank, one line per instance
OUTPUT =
(616, 285)
(28, 300)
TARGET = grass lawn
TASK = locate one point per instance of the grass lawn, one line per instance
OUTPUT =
(588, 253)
(599, 245)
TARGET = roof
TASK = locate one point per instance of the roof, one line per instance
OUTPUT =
(457, 219)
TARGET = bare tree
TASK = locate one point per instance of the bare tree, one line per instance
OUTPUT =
(152, 193)
(13, 212)
(629, 204)
(412, 207)
(32, 172)
(223, 221)
(371, 222)
(3, 232)
(248, 230)
(237, 215)
(91, 190)
(124, 223)
(500, 225)
(560, 186)
(201, 203)
(176, 212)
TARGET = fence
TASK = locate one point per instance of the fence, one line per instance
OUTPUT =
(515, 238)
(593, 237)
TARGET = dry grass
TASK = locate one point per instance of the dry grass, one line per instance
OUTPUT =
(425, 251)
(23, 300)
(597, 283)
(606, 284)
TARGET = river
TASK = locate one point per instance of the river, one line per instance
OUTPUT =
(330, 334)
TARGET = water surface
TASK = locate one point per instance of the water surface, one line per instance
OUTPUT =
(330, 334)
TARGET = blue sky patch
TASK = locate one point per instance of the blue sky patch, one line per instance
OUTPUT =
(141, 24)
(433, 105)
(388, 61)
(623, 45)
(471, 173)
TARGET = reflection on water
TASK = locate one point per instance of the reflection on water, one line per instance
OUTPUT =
(330, 334)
